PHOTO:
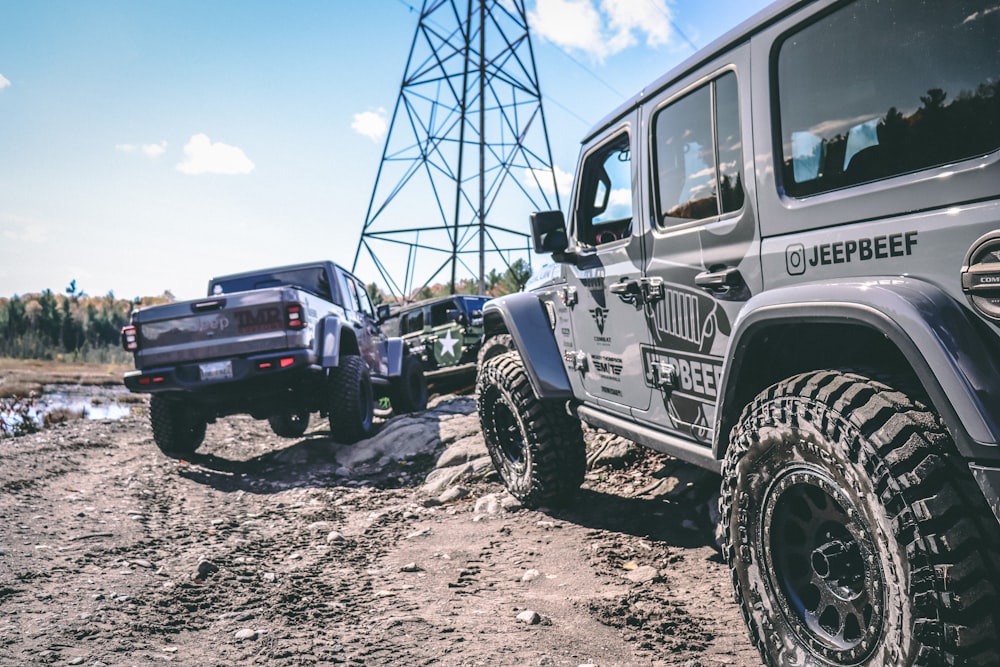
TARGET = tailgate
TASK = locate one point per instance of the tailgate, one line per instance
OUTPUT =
(226, 326)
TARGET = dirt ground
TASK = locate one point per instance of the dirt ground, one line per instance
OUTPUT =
(261, 550)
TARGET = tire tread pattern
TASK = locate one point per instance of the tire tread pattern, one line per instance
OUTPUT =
(554, 439)
(938, 512)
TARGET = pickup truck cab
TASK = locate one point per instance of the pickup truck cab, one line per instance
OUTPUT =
(277, 344)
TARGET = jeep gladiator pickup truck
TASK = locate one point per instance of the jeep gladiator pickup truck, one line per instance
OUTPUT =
(277, 344)
(781, 262)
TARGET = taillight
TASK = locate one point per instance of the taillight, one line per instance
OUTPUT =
(293, 316)
(130, 338)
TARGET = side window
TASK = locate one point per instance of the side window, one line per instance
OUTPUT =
(347, 292)
(604, 209)
(362, 299)
(918, 87)
(699, 154)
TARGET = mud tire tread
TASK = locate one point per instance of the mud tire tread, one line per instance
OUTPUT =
(938, 514)
(554, 452)
(352, 401)
(175, 430)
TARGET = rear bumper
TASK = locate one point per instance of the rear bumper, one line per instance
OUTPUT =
(276, 368)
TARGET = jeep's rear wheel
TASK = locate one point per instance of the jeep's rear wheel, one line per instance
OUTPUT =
(176, 428)
(409, 390)
(856, 535)
(352, 401)
(536, 447)
(289, 424)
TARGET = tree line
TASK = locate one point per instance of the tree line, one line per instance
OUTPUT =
(71, 326)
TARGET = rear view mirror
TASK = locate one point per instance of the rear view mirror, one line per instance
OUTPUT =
(383, 312)
(548, 229)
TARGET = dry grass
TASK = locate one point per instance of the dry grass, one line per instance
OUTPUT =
(22, 377)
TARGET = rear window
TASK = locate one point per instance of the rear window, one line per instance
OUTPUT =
(879, 88)
(312, 280)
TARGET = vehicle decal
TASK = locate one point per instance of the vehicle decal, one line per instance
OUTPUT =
(600, 317)
(798, 258)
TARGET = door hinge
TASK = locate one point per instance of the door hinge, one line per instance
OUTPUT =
(569, 296)
(576, 359)
(664, 375)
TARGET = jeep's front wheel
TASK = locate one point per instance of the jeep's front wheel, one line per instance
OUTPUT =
(856, 536)
(494, 346)
(409, 390)
(352, 401)
(536, 447)
(289, 424)
(177, 429)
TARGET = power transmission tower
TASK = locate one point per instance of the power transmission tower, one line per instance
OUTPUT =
(467, 155)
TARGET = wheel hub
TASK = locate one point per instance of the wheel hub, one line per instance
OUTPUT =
(823, 565)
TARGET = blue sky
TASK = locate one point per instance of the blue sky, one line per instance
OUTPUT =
(147, 146)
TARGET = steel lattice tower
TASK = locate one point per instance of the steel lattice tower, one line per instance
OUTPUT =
(467, 155)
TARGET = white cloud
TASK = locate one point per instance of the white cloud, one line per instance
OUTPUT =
(543, 179)
(4, 82)
(371, 124)
(577, 25)
(201, 156)
(149, 150)
(20, 228)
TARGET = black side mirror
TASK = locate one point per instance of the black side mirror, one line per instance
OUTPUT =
(548, 230)
(383, 311)
(455, 316)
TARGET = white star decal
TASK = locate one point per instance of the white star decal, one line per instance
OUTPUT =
(448, 344)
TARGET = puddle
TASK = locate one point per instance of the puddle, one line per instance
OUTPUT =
(87, 402)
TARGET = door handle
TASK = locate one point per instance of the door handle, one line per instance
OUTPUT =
(625, 287)
(726, 283)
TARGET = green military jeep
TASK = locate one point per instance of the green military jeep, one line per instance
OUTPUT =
(445, 333)
(781, 262)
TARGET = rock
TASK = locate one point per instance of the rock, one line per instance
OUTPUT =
(440, 479)
(453, 494)
(610, 451)
(643, 574)
(335, 536)
(510, 503)
(403, 437)
(142, 562)
(411, 567)
(530, 575)
(529, 617)
(78, 660)
(206, 569)
(463, 451)
(245, 634)
(488, 504)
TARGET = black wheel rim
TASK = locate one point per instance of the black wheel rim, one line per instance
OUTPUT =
(510, 440)
(825, 569)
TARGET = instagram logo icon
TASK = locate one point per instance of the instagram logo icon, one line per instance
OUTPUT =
(795, 259)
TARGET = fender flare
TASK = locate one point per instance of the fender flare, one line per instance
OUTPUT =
(523, 316)
(329, 341)
(395, 350)
(937, 337)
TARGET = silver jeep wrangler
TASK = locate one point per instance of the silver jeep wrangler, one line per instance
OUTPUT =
(782, 263)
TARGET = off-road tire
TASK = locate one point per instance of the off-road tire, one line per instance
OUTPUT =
(856, 535)
(536, 447)
(409, 390)
(176, 429)
(289, 424)
(352, 401)
(492, 347)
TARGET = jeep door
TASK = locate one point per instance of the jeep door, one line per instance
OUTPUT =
(607, 232)
(704, 246)
(361, 314)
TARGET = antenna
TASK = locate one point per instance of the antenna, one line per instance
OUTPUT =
(467, 155)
